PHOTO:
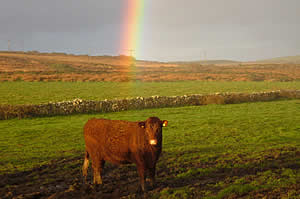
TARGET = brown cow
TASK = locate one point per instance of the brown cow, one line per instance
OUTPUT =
(121, 142)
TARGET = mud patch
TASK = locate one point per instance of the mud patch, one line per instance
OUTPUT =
(63, 179)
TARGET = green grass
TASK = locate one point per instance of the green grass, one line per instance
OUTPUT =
(235, 189)
(42, 92)
(182, 192)
(233, 150)
(240, 128)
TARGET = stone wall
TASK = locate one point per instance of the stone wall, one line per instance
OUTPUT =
(78, 106)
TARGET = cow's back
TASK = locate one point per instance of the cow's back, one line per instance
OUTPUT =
(111, 139)
(96, 128)
(99, 128)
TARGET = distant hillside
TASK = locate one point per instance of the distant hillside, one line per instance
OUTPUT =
(35, 66)
(282, 60)
(277, 60)
(208, 62)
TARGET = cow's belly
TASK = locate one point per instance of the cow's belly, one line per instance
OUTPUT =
(117, 158)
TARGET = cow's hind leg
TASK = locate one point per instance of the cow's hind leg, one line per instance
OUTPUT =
(97, 171)
(85, 165)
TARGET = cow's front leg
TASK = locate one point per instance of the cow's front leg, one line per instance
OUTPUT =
(152, 176)
(141, 171)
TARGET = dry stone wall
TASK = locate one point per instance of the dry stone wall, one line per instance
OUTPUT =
(78, 106)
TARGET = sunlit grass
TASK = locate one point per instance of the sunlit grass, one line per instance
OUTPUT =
(208, 130)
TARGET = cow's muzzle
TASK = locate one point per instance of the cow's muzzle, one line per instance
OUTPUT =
(153, 142)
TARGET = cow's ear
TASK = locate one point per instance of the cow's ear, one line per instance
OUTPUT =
(165, 123)
(142, 124)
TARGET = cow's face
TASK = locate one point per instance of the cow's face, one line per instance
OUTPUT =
(153, 128)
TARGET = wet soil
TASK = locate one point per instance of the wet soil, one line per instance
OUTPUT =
(62, 178)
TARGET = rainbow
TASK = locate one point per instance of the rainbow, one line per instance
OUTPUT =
(131, 33)
(132, 21)
(132, 27)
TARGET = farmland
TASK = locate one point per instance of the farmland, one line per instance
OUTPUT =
(248, 150)
(208, 151)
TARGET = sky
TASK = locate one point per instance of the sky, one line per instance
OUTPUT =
(170, 30)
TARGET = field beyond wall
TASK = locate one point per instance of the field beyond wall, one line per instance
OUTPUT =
(14, 93)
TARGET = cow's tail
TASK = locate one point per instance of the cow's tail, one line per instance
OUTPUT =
(85, 165)
(86, 155)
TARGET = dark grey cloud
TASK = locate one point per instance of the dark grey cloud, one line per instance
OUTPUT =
(58, 15)
(171, 29)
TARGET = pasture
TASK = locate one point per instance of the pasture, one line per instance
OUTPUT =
(42, 92)
(249, 150)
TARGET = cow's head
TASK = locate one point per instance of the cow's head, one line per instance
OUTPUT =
(153, 128)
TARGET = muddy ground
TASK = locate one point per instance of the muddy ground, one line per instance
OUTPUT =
(62, 179)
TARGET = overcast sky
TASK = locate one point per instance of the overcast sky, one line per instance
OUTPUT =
(172, 29)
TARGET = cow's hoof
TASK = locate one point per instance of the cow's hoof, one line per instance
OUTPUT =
(141, 190)
(87, 188)
(97, 187)
(151, 187)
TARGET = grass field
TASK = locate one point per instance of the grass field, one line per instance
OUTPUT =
(43, 92)
(215, 151)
